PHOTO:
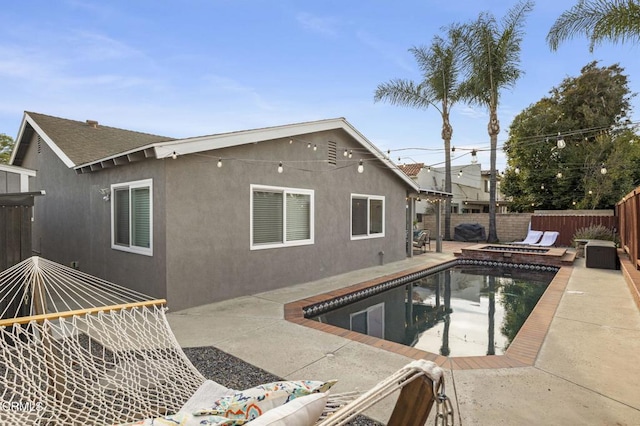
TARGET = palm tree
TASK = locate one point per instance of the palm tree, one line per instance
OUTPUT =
(439, 65)
(490, 58)
(599, 20)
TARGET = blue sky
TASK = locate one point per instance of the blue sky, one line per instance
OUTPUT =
(197, 67)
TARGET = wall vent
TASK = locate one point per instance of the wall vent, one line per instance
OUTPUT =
(332, 153)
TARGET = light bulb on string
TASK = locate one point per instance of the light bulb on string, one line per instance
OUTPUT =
(174, 155)
(345, 153)
(219, 162)
(280, 168)
(560, 143)
(360, 167)
(603, 169)
(350, 153)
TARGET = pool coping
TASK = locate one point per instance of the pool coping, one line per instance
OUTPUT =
(522, 352)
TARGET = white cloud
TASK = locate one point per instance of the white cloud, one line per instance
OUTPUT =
(321, 25)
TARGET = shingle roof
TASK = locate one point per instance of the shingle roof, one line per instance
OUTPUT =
(411, 170)
(83, 143)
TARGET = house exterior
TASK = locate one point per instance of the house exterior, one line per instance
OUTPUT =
(14, 179)
(208, 218)
(469, 186)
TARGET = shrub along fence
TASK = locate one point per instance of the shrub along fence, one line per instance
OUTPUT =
(628, 210)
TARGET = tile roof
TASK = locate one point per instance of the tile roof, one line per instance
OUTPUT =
(411, 170)
(83, 143)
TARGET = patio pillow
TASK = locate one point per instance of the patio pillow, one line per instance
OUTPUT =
(251, 403)
(302, 411)
(188, 419)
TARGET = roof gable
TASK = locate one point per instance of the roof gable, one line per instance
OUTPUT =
(224, 140)
(77, 142)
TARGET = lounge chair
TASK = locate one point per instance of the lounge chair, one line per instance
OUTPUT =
(548, 239)
(532, 238)
(423, 240)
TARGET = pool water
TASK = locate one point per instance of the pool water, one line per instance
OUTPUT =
(466, 310)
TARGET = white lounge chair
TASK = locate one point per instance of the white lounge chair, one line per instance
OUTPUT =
(532, 238)
(548, 239)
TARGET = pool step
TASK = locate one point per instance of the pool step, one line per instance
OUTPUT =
(568, 258)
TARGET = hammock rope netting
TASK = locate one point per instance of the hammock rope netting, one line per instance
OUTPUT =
(67, 358)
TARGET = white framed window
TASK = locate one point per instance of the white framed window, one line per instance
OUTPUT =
(369, 321)
(132, 217)
(367, 216)
(281, 217)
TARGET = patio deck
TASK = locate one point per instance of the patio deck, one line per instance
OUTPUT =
(584, 371)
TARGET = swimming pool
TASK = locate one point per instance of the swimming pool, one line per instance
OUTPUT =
(462, 308)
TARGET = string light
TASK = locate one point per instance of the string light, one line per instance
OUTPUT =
(603, 169)
(174, 155)
(347, 153)
(560, 143)
(360, 167)
(309, 145)
(219, 162)
(517, 170)
(280, 168)
(350, 153)
(315, 147)
(559, 175)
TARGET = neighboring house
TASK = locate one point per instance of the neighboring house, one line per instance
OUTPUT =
(208, 218)
(469, 186)
(14, 179)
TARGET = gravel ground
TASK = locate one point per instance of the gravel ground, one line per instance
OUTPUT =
(234, 373)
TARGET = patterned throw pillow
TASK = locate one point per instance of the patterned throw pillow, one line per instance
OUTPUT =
(187, 419)
(251, 403)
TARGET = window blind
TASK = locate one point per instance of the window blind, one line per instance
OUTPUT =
(298, 217)
(121, 216)
(267, 217)
(141, 217)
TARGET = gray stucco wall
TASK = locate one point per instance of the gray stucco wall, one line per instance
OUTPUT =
(208, 218)
(72, 222)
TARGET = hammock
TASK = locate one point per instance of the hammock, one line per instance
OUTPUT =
(76, 349)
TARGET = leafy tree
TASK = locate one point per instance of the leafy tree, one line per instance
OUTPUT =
(590, 114)
(439, 65)
(6, 145)
(491, 59)
(599, 20)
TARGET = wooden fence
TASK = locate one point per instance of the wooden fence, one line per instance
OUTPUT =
(567, 224)
(628, 210)
(15, 228)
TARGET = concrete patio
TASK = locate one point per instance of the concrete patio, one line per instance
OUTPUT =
(586, 371)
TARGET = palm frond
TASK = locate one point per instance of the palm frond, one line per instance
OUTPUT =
(403, 92)
(599, 20)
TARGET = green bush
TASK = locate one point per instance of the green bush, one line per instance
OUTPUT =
(595, 232)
